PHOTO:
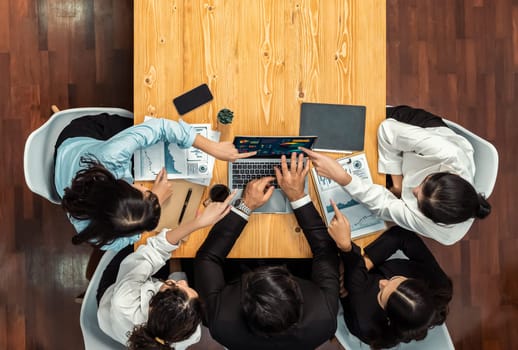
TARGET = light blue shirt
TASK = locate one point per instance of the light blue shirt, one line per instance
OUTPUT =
(115, 155)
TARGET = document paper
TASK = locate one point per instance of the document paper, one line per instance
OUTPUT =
(361, 219)
(191, 163)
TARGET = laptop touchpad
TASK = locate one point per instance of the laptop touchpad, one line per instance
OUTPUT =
(278, 203)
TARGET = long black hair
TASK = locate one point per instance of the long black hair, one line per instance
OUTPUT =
(114, 207)
(449, 199)
(173, 317)
(411, 310)
(272, 300)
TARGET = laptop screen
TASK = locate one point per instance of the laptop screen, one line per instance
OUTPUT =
(273, 146)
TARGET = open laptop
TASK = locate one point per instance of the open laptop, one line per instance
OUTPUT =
(269, 151)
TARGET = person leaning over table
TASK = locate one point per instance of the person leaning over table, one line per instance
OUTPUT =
(432, 169)
(93, 175)
(390, 301)
(136, 308)
(269, 308)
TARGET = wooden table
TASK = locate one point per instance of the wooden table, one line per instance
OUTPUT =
(261, 59)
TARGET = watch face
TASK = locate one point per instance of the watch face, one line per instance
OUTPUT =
(237, 202)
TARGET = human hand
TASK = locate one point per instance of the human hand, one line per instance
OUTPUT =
(214, 211)
(291, 181)
(258, 192)
(227, 151)
(328, 167)
(161, 187)
(220, 150)
(340, 230)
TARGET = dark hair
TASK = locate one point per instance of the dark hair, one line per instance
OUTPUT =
(173, 317)
(449, 199)
(411, 310)
(272, 300)
(114, 207)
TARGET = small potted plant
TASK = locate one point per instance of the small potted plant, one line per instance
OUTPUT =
(225, 117)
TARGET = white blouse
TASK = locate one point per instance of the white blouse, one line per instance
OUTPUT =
(415, 153)
(125, 304)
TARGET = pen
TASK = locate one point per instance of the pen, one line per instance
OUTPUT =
(185, 203)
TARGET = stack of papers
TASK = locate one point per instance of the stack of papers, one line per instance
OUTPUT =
(190, 164)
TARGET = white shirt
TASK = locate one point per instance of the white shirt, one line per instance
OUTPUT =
(415, 152)
(125, 304)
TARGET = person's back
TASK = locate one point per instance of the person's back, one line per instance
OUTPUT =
(419, 152)
(270, 308)
(305, 318)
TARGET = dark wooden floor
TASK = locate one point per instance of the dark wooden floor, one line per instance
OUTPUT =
(454, 57)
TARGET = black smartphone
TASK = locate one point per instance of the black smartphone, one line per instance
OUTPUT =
(192, 99)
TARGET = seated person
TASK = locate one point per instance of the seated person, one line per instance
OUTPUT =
(93, 175)
(390, 301)
(432, 169)
(270, 308)
(160, 314)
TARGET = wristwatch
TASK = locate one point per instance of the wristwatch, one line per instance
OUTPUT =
(240, 205)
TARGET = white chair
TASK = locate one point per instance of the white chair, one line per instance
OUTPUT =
(94, 337)
(38, 157)
(437, 337)
(486, 159)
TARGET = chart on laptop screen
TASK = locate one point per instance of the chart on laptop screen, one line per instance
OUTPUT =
(272, 146)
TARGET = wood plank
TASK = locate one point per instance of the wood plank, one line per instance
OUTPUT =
(262, 66)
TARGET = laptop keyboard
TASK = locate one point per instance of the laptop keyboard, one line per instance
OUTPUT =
(243, 172)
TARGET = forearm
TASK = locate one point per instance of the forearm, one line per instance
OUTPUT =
(125, 143)
(148, 258)
(343, 178)
(378, 199)
(398, 137)
(186, 228)
(222, 236)
(314, 230)
(397, 181)
(204, 144)
(355, 270)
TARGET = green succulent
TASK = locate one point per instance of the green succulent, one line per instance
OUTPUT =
(225, 116)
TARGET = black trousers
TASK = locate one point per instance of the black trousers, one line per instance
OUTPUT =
(100, 127)
(414, 116)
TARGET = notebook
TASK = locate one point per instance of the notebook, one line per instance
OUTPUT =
(340, 128)
(269, 150)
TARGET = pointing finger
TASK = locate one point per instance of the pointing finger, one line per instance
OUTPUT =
(246, 154)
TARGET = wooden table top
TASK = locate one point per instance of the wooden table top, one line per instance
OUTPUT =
(261, 59)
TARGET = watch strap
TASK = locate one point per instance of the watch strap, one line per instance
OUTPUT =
(240, 205)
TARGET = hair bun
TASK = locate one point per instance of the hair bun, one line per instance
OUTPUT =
(484, 208)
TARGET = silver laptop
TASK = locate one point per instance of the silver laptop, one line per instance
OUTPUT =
(269, 151)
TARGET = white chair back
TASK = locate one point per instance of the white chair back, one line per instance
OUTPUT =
(38, 157)
(486, 159)
(437, 337)
(94, 337)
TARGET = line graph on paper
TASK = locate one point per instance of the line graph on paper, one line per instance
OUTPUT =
(362, 220)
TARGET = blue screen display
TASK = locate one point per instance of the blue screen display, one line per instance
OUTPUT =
(273, 146)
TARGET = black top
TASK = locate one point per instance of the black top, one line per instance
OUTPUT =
(362, 313)
(222, 299)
